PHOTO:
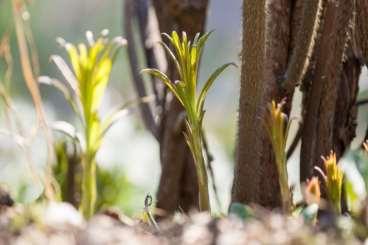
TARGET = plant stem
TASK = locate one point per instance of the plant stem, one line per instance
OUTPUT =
(337, 206)
(89, 189)
(197, 150)
(284, 188)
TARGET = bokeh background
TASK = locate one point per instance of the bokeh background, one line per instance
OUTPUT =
(128, 147)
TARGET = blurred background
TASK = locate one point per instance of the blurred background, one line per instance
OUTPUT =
(127, 148)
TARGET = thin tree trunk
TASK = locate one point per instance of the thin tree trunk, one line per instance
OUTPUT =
(264, 59)
(361, 31)
(321, 104)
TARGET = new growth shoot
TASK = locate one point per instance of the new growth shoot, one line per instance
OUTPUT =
(186, 56)
(333, 178)
(91, 68)
(277, 126)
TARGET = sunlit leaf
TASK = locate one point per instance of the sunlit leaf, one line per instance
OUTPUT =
(74, 58)
(67, 73)
(63, 89)
(120, 112)
(208, 85)
(160, 75)
(68, 130)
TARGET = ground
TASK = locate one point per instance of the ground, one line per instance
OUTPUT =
(60, 223)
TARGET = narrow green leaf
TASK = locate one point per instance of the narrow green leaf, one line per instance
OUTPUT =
(120, 112)
(63, 89)
(74, 58)
(160, 75)
(57, 84)
(172, 56)
(68, 130)
(66, 72)
(208, 84)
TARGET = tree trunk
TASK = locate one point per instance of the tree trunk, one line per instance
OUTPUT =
(346, 108)
(178, 187)
(266, 32)
(361, 31)
(322, 104)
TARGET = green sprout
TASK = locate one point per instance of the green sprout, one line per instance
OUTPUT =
(91, 68)
(277, 126)
(333, 178)
(186, 56)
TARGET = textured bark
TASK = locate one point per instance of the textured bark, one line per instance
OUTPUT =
(304, 44)
(321, 105)
(346, 108)
(178, 184)
(264, 59)
(361, 31)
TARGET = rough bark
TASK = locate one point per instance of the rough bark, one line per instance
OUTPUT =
(178, 184)
(361, 31)
(321, 106)
(346, 107)
(303, 43)
(264, 59)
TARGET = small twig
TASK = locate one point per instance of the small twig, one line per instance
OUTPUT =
(147, 205)
(147, 30)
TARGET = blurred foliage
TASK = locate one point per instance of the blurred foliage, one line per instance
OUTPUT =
(241, 211)
(113, 187)
(87, 79)
(333, 180)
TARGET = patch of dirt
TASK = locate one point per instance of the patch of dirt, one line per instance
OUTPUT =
(60, 223)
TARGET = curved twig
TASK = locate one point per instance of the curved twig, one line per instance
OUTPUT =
(362, 102)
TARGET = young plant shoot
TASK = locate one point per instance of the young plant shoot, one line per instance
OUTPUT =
(277, 126)
(333, 178)
(186, 56)
(91, 68)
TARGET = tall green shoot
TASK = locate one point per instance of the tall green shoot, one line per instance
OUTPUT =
(186, 56)
(91, 68)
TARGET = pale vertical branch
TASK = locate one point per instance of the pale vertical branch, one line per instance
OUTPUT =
(360, 33)
(146, 111)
